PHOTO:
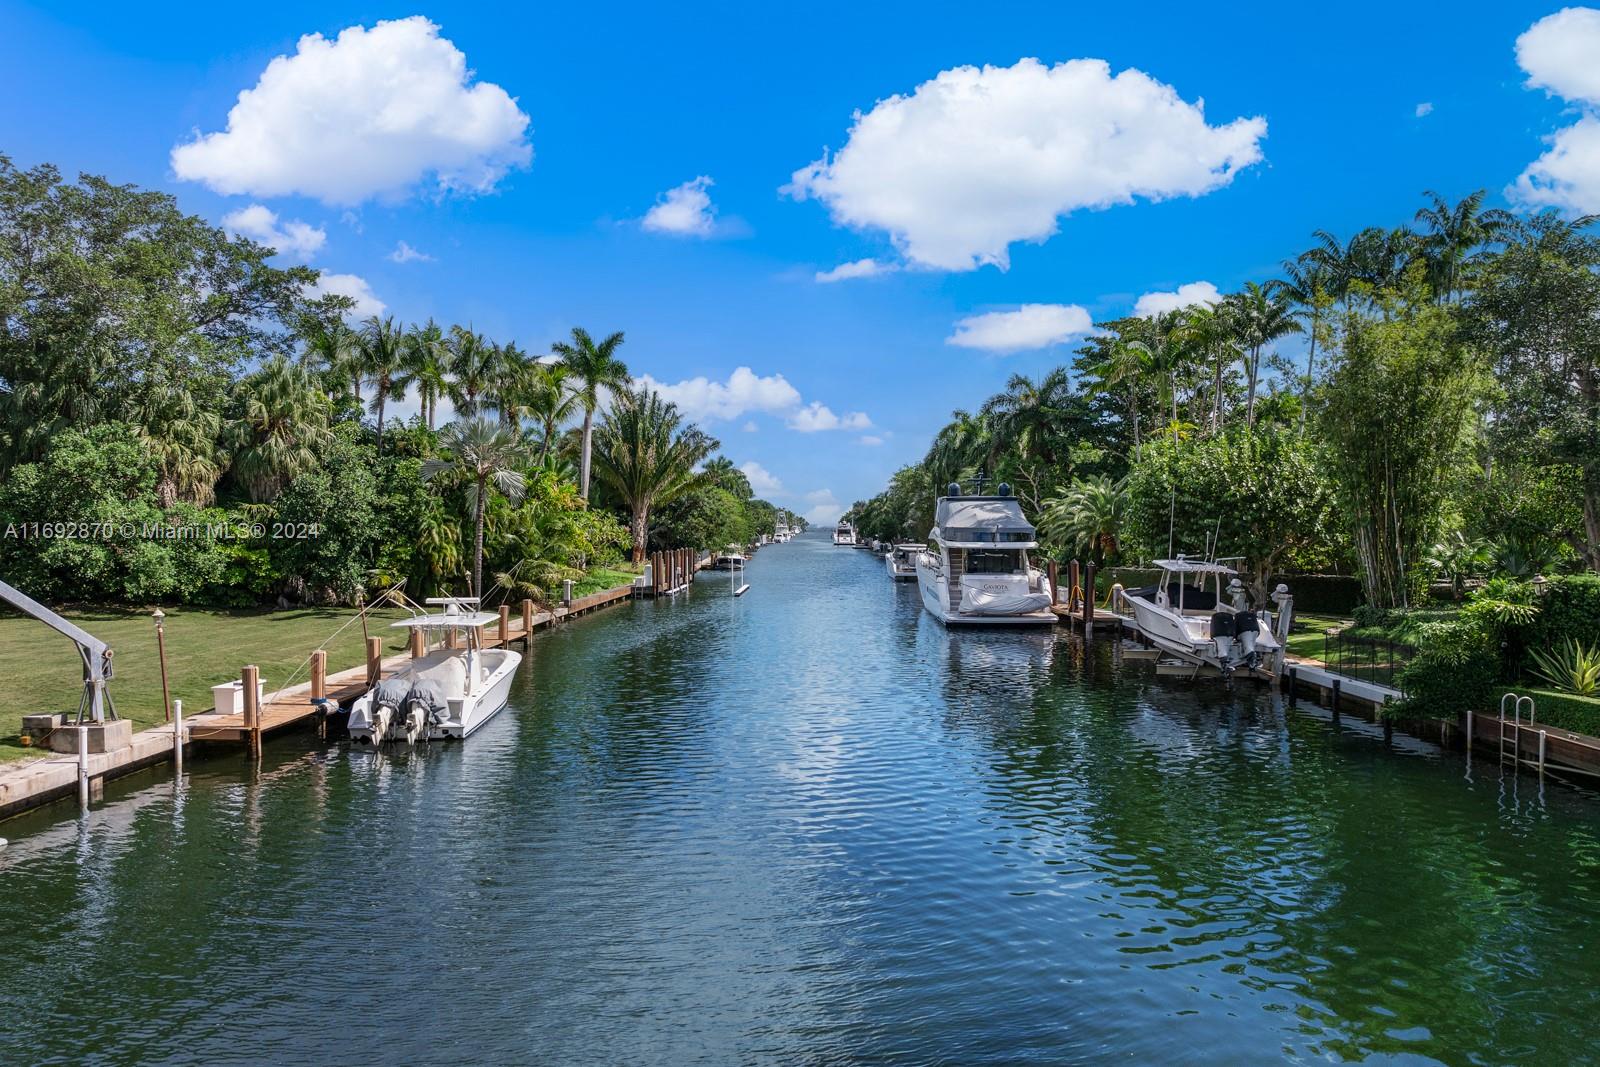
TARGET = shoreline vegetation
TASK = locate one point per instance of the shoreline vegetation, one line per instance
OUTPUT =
(1416, 407)
(184, 425)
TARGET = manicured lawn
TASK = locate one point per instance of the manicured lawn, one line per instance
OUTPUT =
(40, 670)
(1306, 638)
(600, 579)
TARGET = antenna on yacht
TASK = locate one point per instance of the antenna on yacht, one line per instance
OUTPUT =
(1172, 519)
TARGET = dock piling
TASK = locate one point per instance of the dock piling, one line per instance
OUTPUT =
(527, 622)
(83, 768)
(505, 625)
(1054, 572)
(177, 738)
(374, 660)
(251, 676)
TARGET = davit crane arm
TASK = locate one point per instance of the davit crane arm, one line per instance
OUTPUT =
(96, 702)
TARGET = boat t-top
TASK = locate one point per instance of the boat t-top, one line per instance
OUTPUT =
(447, 692)
(844, 534)
(1209, 626)
(902, 561)
(977, 572)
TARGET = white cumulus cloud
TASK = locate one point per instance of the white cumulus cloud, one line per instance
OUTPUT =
(981, 157)
(299, 240)
(372, 113)
(861, 268)
(1424, 109)
(1151, 304)
(404, 253)
(762, 481)
(816, 417)
(356, 288)
(745, 391)
(824, 510)
(1561, 54)
(1029, 326)
(871, 440)
(685, 210)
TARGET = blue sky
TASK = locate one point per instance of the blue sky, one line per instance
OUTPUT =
(533, 229)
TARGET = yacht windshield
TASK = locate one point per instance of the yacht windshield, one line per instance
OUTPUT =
(993, 561)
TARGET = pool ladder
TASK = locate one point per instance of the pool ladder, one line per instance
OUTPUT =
(1516, 724)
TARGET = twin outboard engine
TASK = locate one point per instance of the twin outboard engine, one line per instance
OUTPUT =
(1235, 632)
(399, 708)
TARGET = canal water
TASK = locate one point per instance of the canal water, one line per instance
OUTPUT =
(811, 826)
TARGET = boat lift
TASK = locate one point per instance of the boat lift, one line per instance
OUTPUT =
(736, 580)
(96, 701)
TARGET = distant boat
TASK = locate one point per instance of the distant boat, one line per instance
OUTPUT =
(446, 693)
(730, 558)
(902, 562)
(844, 534)
(1181, 616)
(978, 572)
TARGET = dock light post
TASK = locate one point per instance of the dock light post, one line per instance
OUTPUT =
(161, 654)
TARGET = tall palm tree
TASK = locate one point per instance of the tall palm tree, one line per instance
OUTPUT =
(474, 369)
(1027, 413)
(1206, 335)
(485, 454)
(546, 397)
(1261, 315)
(333, 350)
(283, 425)
(510, 374)
(1126, 363)
(962, 444)
(426, 360)
(1306, 283)
(383, 358)
(594, 367)
(1454, 232)
(645, 452)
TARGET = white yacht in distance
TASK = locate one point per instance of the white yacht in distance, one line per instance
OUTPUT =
(781, 533)
(902, 562)
(844, 534)
(1181, 616)
(448, 692)
(977, 571)
(730, 558)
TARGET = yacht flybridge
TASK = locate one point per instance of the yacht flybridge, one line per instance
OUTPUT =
(1181, 615)
(977, 571)
(902, 561)
(844, 534)
(449, 691)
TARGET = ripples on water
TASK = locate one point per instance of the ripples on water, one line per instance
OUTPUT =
(811, 826)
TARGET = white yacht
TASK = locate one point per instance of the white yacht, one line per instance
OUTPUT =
(977, 571)
(1180, 615)
(449, 691)
(781, 532)
(902, 562)
(844, 534)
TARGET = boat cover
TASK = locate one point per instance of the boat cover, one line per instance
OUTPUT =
(991, 520)
(430, 695)
(975, 601)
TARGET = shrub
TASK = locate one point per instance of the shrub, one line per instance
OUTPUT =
(1569, 607)
(1455, 668)
(1571, 667)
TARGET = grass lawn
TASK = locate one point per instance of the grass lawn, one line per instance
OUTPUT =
(599, 579)
(40, 670)
(1306, 638)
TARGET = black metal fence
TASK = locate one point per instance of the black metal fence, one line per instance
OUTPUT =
(1371, 659)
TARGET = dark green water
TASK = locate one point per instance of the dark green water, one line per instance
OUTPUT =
(810, 826)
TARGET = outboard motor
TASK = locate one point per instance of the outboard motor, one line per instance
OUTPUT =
(1224, 628)
(425, 705)
(1247, 629)
(384, 707)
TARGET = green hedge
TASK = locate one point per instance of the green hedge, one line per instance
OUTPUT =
(1316, 594)
(1561, 710)
(1569, 606)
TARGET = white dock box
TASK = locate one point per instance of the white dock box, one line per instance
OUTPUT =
(228, 698)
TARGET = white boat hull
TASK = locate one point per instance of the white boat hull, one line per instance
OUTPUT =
(935, 592)
(1188, 637)
(465, 712)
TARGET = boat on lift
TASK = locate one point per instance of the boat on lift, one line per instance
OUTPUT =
(977, 571)
(730, 558)
(844, 533)
(902, 561)
(1212, 627)
(446, 693)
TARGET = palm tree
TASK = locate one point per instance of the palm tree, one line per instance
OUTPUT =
(181, 434)
(333, 350)
(1087, 518)
(483, 453)
(594, 367)
(1126, 363)
(426, 360)
(510, 373)
(644, 452)
(545, 396)
(283, 426)
(1261, 315)
(1025, 416)
(1206, 334)
(962, 444)
(383, 359)
(1454, 232)
(474, 368)
(1305, 282)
